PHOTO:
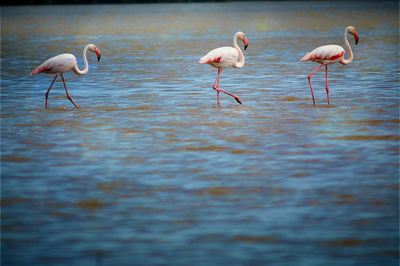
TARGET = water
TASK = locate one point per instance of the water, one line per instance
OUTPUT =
(150, 171)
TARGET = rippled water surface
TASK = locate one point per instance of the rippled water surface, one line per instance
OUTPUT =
(150, 170)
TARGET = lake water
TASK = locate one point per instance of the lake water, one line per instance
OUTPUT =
(151, 171)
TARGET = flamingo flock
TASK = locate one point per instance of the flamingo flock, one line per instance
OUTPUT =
(219, 58)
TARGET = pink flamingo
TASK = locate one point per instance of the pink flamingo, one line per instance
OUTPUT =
(330, 54)
(63, 63)
(226, 57)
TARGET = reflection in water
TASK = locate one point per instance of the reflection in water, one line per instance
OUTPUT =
(150, 170)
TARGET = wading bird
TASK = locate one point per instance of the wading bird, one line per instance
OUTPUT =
(226, 57)
(64, 62)
(330, 54)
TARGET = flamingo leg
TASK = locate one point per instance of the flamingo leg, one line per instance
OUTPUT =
(47, 93)
(234, 96)
(69, 98)
(216, 87)
(220, 71)
(327, 89)
(216, 84)
(309, 81)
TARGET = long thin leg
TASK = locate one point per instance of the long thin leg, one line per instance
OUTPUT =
(327, 89)
(47, 93)
(216, 84)
(234, 96)
(69, 98)
(220, 71)
(309, 81)
(216, 87)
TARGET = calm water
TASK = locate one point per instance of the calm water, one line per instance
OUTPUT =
(150, 171)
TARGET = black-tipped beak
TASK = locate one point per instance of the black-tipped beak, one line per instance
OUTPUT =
(98, 53)
(356, 37)
(246, 43)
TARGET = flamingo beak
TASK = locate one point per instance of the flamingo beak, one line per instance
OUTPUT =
(98, 53)
(356, 37)
(246, 43)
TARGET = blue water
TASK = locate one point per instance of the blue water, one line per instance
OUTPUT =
(151, 171)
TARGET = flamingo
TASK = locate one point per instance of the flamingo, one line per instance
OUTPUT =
(64, 62)
(330, 54)
(223, 57)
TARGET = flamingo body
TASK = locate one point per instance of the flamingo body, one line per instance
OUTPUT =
(224, 57)
(56, 65)
(330, 54)
(327, 54)
(65, 62)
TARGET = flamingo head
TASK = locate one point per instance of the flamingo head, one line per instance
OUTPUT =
(94, 49)
(353, 31)
(241, 36)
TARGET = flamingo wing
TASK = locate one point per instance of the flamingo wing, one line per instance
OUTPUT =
(324, 53)
(221, 57)
(57, 64)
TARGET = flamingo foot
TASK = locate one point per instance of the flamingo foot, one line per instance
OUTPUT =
(238, 100)
(76, 106)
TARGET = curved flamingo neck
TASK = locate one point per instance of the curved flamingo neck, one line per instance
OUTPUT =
(85, 63)
(240, 63)
(346, 42)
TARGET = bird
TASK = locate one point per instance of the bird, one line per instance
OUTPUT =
(65, 62)
(330, 54)
(224, 57)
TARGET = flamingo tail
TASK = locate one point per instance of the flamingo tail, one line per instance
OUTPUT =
(39, 69)
(309, 56)
(208, 60)
(203, 60)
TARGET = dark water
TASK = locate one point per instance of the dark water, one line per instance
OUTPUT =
(150, 171)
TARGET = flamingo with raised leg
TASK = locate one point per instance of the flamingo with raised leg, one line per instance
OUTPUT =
(64, 62)
(330, 54)
(223, 57)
